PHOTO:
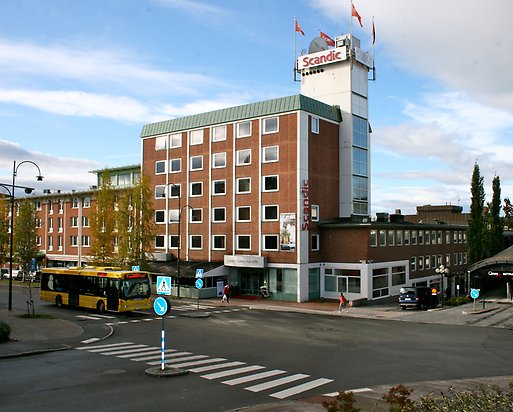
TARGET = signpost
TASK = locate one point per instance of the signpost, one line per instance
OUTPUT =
(161, 307)
(199, 281)
(474, 294)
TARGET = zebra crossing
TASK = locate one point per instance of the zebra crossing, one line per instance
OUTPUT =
(180, 308)
(253, 378)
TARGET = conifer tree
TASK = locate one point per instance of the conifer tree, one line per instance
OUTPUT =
(495, 224)
(476, 226)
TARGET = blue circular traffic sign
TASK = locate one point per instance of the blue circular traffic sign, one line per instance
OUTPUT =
(161, 306)
(474, 293)
(199, 283)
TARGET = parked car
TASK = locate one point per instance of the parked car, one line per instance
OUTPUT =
(420, 297)
(6, 274)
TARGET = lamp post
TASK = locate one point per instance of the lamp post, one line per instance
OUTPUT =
(442, 270)
(39, 178)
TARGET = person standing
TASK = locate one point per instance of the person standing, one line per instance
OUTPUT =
(342, 302)
(226, 293)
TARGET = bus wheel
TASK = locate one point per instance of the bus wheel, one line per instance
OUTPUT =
(58, 301)
(100, 306)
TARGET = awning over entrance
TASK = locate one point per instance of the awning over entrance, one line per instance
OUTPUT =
(187, 268)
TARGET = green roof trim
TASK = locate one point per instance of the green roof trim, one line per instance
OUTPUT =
(237, 113)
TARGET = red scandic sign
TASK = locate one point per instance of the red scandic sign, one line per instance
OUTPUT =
(320, 58)
(135, 276)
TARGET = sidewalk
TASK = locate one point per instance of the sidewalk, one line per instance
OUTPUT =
(35, 336)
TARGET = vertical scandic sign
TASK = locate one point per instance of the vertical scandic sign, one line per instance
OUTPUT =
(306, 211)
(288, 231)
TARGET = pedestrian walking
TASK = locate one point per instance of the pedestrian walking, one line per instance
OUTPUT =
(342, 302)
(226, 294)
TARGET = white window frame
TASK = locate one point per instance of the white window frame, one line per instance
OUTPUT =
(267, 149)
(239, 135)
(172, 188)
(214, 242)
(161, 142)
(172, 163)
(264, 219)
(191, 243)
(196, 137)
(315, 125)
(192, 161)
(214, 193)
(214, 220)
(277, 237)
(172, 137)
(314, 213)
(160, 191)
(164, 241)
(173, 215)
(238, 242)
(197, 210)
(277, 183)
(239, 180)
(160, 162)
(218, 156)
(243, 153)
(265, 125)
(200, 184)
(163, 221)
(238, 212)
(171, 237)
(215, 138)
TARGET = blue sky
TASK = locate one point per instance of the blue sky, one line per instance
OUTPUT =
(79, 79)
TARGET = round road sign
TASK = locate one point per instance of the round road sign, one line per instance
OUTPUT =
(474, 293)
(161, 306)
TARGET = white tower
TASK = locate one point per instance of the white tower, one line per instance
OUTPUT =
(339, 76)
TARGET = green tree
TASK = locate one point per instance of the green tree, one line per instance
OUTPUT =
(476, 226)
(508, 213)
(495, 225)
(5, 223)
(25, 246)
(103, 223)
(136, 227)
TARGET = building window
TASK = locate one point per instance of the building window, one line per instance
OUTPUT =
(243, 214)
(406, 238)
(174, 190)
(196, 215)
(382, 238)
(244, 129)
(391, 238)
(315, 243)
(314, 213)
(86, 241)
(50, 243)
(73, 221)
(160, 167)
(219, 214)
(413, 264)
(219, 133)
(374, 238)
(399, 238)
(270, 154)
(160, 241)
(160, 216)
(218, 242)
(243, 157)
(85, 221)
(196, 137)
(175, 165)
(270, 183)
(270, 125)
(73, 240)
(380, 282)
(174, 241)
(427, 237)
(315, 125)
(173, 215)
(421, 237)
(50, 225)
(420, 262)
(244, 242)
(398, 275)
(196, 241)
(197, 163)
(59, 224)
(175, 140)
(271, 242)
(427, 262)
(244, 185)
(219, 187)
(74, 205)
(160, 191)
(270, 213)
(59, 242)
(439, 237)
(86, 202)
(218, 160)
(196, 189)
(448, 260)
(413, 237)
(161, 143)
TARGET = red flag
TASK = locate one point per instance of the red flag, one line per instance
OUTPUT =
(373, 33)
(299, 28)
(354, 13)
(328, 39)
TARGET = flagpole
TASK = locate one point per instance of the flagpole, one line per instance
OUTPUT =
(295, 31)
(373, 41)
(351, 25)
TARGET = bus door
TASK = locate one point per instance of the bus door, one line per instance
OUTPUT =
(112, 292)
(74, 293)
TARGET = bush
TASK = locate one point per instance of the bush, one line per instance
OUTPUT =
(5, 331)
(457, 301)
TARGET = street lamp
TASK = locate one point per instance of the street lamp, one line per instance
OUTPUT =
(442, 270)
(39, 178)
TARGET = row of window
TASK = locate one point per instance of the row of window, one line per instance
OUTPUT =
(242, 242)
(75, 203)
(434, 261)
(243, 214)
(74, 220)
(402, 237)
(270, 154)
(73, 241)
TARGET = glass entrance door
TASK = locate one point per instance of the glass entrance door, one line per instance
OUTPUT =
(250, 281)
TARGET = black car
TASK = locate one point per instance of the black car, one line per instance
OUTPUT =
(420, 297)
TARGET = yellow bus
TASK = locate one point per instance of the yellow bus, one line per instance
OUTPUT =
(100, 288)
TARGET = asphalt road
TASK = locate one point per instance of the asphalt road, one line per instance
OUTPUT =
(335, 352)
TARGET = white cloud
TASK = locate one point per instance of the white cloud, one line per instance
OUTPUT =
(192, 7)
